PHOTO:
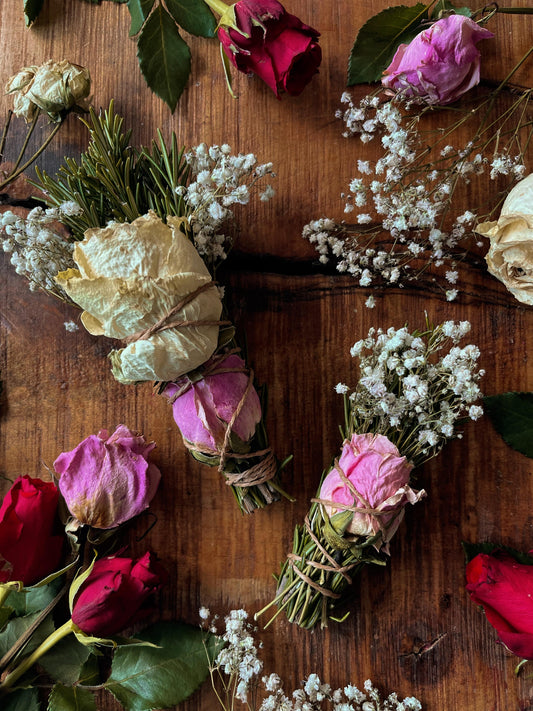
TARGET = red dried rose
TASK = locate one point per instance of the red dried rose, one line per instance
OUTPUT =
(273, 44)
(505, 590)
(29, 548)
(110, 598)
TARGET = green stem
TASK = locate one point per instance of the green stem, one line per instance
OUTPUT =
(515, 10)
(218, 6)
(22, 168)
(27, 663)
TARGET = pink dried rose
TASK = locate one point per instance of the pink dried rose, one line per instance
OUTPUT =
(273, 44)
(205, 407)
(375, 480)
(441, 63)
(107, 480)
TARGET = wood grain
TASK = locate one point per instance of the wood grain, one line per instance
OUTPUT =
(300, 322)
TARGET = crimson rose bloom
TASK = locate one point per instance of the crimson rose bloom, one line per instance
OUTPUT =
(273, 44)
(110, 598)
(29, 549)
(505, 590)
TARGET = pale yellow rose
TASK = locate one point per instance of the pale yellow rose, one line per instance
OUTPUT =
(129, 276)
(52, 87)
(510, 257)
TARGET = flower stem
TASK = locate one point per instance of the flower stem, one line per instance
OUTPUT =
(27, 663)
(22, 168)
(218, 6)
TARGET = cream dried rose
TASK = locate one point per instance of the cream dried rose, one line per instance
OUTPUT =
(131, 275)
(52, 87)
(510, 257)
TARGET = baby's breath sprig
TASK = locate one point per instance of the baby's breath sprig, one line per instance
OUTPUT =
(414, 389)
(235, 676)
(403, 202)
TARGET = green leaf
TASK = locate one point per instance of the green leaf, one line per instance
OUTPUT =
(5, 614)
(32, 8)
(70, 698)
(146, 678)
(512, 416)
(34, 599)
(64, 662)
(164, 57)
(139, 11)
(16, 627)
(21, 700)
(473, 549)
(379, 38)
(445, 7)
(194, 16)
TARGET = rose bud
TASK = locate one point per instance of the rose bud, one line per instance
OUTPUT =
(440, 64)
(29, 548)
(505, 590)
(53, 87)
(205, 407)
(106, 480)
(110, 598)
(372, 476)
(275, 45)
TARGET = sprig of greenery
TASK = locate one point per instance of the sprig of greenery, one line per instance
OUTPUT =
(113, 180)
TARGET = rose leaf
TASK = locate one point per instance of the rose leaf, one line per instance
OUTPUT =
(139, 11)
(34, 599)
(445, 6)
(21, 700)
(194, 16)
(512, 416)
(64, 662)
(32, 8)
(164, 57)
(379, 38)
(146, 678)
(16, 627)
(70, 698)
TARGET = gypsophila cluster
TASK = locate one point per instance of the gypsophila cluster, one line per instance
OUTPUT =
(219, 180)
(237, 664)
(415, 387)
(37, 252)
(400, 206)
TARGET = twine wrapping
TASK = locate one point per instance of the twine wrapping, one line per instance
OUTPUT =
(257, 474)
(164, 323)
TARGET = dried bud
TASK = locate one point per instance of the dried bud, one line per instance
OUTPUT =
(53, 87)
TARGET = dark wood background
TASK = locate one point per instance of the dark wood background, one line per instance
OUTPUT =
(300, 322)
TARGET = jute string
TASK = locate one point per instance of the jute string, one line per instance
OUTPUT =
(255, 475)
(165, 321)
(334, 566)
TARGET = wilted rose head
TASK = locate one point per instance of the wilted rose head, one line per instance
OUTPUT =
(53, 87)
(510, 257)
(110, 598)
(107, 480)
(30, 547)
(132, 275)
(370, 480)
(505, 590)
(273, 44)
(441, 63)
(206, 406)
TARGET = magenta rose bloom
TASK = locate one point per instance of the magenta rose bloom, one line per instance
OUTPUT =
(505, 590)
(29, 548)
(110, 598)
(106, 480)
(441, 63)
(205, 407)
(375, 480)
(273, 44)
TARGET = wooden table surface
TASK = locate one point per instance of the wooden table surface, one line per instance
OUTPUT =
(300, 321)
